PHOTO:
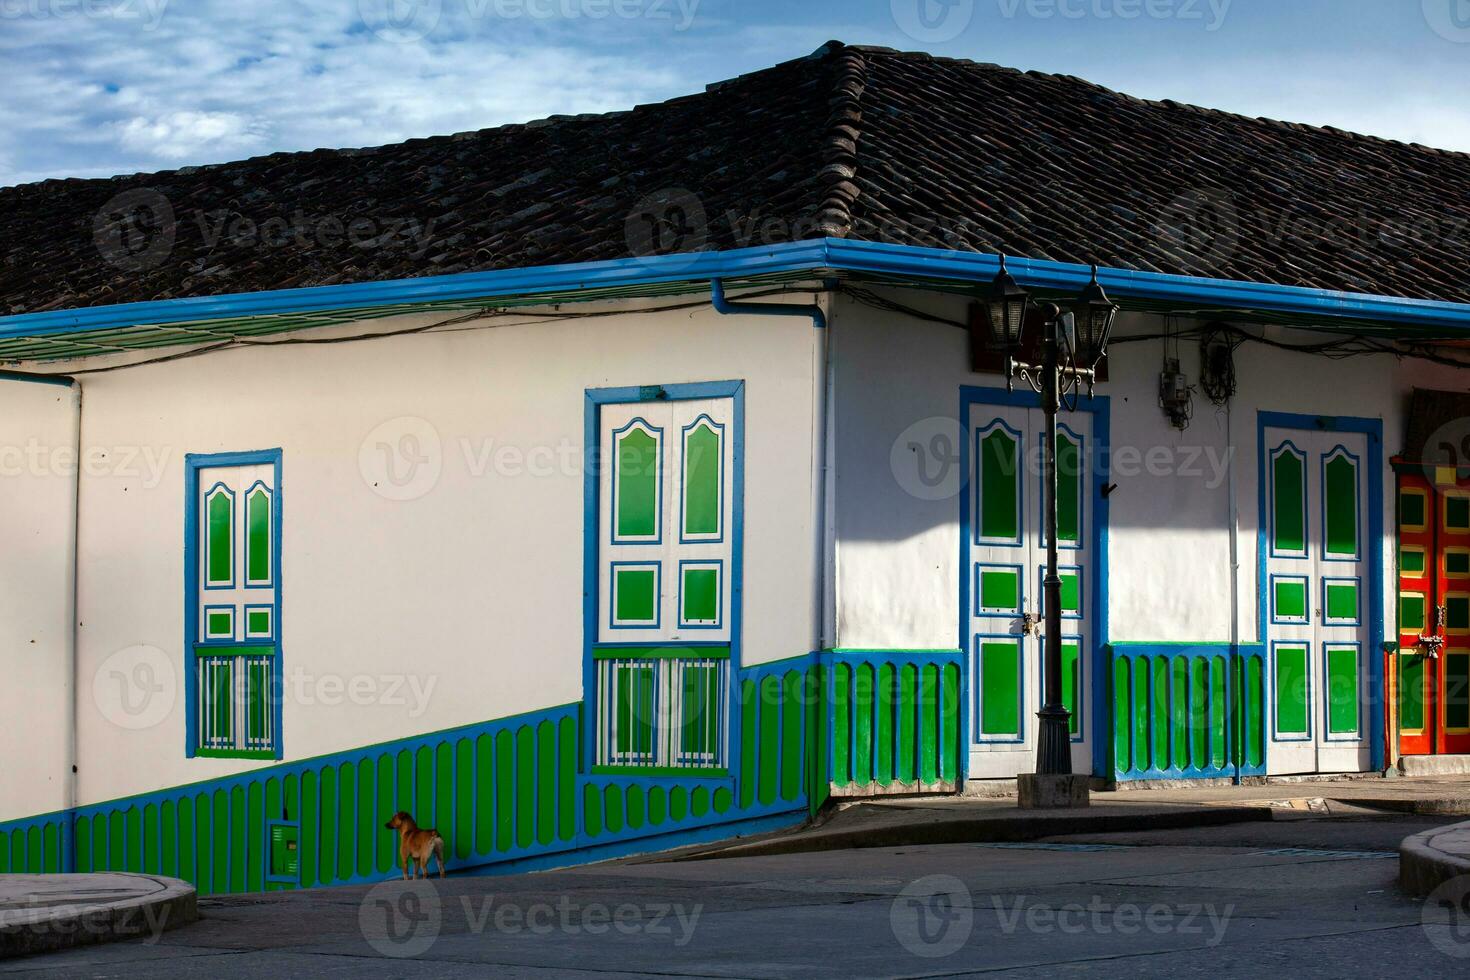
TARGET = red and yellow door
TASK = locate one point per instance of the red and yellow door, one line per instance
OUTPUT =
(1432, 680)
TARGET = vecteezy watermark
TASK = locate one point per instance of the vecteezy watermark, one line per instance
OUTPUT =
(1100, 918)
(403, 919)
(135, 230)
(1445, 917)
(148, 464)
(135, 688)
(411, 691)
(402, 458)
(148, 921)
(933, 917)
(667, 222)
(1210, 13)
(410, 21)
(146, 13)
(1446, 449)
(1203, 229)
(928, 461)
(1450, 19)
(932, 21)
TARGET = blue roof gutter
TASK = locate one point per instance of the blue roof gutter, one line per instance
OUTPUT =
(818, 256)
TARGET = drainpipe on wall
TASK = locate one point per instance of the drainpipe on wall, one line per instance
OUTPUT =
(69, 777)
(1237, 666)
(822, 384)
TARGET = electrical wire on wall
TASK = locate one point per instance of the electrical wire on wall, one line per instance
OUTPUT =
(1218, 343)
(1176, 394)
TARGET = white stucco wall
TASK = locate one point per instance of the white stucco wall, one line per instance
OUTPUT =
(459, 606)
(1169, 543)
(37, 517)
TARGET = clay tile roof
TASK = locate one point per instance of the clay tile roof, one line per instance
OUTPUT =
(856, 142)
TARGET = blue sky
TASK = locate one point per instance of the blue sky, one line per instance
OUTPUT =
(102, 87)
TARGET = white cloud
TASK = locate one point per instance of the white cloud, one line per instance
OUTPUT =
(182, 135)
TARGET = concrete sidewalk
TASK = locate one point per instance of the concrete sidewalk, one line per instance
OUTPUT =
(42, 913)
(996, 818)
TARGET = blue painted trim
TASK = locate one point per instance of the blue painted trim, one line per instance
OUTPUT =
(595, 398)
(1099, 468)
(816, 256)
(59, 380)
(728, 308)
(1328, 457)
(1373, 430)
(194, 463)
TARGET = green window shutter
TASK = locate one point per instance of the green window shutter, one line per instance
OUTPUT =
(258, 536)
(1411, 561)
(1069, 489)
(220, 542)
(1000, 688)
(1340, 493)
(1411, 612)
(1457, 691)
(257, 700)
(1342, 600)
(1000, 486)
(1071, 682)
(221, 693)
(1411, 508)
(1290, 597)
(1411, 693)
(703, 462)
(701, 595)
(1342, 690)
(636, 484)
(1289, 502)
(1000, 588)
(635, 594)
(1456, 512)
(1291, 690)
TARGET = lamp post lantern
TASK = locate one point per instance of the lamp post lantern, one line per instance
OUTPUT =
(1072, 344)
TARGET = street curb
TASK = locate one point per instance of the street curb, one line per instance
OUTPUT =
(1425, 869)
(997, 830)
(1459, 807)
(173, 903)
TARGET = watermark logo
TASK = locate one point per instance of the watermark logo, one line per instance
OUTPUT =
(933, 917)
(1445, 917)
(1200, 229)
(146, 12)
(932, 21)
(401, 919)
(926, 459)
(666, 223)
(1450, 19)
(135, 230)
(135, 688)
(1447, 450)
(402, 458)
(401, 21)
(1099, 918)
(1211, 13)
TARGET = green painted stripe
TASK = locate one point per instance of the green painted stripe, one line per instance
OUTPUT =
(661, 653)
(1122, 715)
(592, 810)
(444, 796)
(1159, 711)
(504, 790)
(841, 773)
(770, 740)
(699, 801)
(423, 786)
(346, 820)
(679, 803)
(1340, 494)
(792, 749)
(612, 799)
(567, 780)
(748, 735)
(1219, 712)
(862, 739)
(723, 799)
(658, 805)
(327, 860)
(1200, 730)
(219, 864)
(636, 812)
(484, 794)
(1179, 714)
(51, 850)
(703, 461)
(369, 824)
(951, 747)
(1139, 713)
(1000, 475)
(546, 758)
(255, 834)
(385, 849)
(884, 733)
(929, 723)
(308, 828)
(906, 710)
(133, 828)
(1289, 502)
(464, 799)
(525, 787)
(152, 863)
(82, 842)
(33, 850)
(637, 460)
(1255, 727)
(188, 867)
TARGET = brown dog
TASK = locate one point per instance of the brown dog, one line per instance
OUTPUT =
(415, 845)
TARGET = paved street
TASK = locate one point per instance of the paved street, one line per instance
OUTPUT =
(1245, 900)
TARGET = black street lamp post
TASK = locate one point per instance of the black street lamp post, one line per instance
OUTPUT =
(1072, 344)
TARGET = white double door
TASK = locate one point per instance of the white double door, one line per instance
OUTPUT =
(1316, 600)
(1007, 562)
